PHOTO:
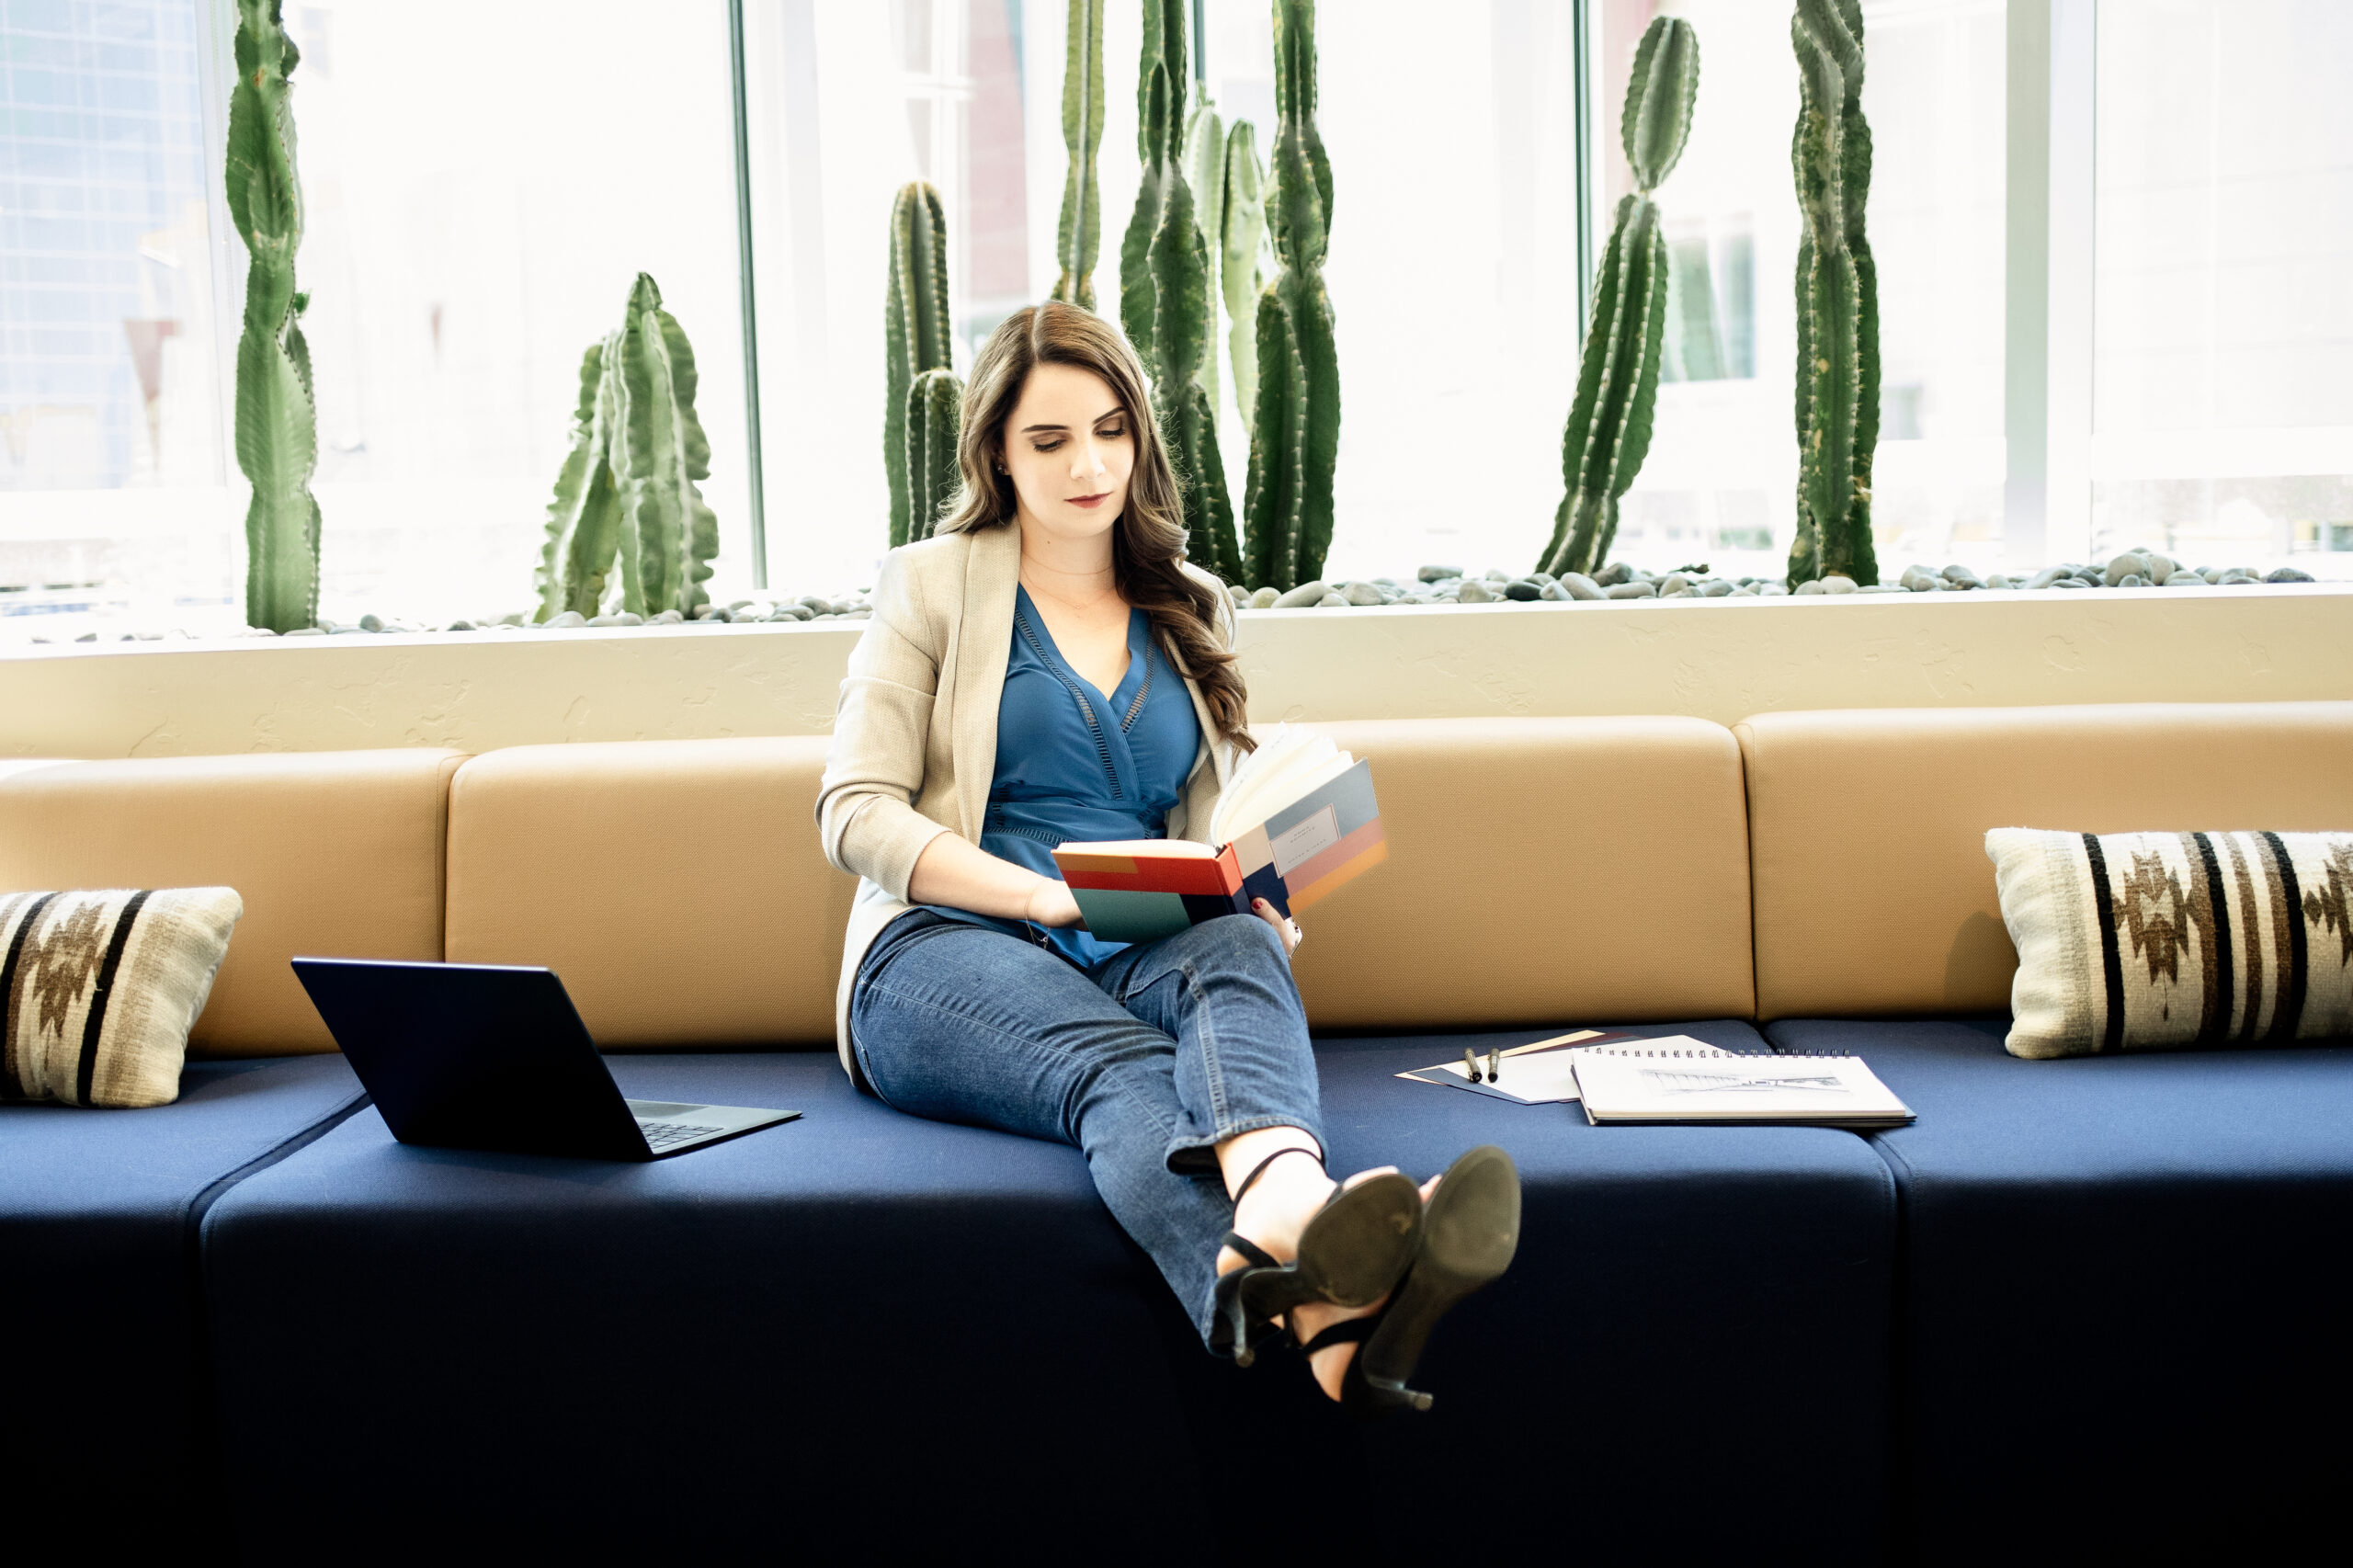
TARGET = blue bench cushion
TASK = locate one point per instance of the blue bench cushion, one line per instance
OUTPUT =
(865, 1332)
(2124, 1293)
(102, 1421)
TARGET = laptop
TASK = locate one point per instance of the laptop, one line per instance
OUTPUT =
(493, 1056)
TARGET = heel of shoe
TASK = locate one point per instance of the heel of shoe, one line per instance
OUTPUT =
(1371, 1399)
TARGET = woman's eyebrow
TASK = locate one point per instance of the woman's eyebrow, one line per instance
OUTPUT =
(1107, 414)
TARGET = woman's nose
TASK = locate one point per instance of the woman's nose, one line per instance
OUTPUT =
(1087, 460)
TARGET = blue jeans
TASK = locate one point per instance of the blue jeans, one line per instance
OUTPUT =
(1146, 1062)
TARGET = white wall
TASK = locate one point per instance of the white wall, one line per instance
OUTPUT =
(1720, 660)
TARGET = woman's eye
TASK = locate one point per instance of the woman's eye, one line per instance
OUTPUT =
(1047, 446)
(1112, 432)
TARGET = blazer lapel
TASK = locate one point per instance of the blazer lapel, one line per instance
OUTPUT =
(985, 646)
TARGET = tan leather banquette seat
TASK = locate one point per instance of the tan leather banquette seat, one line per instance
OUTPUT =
(1539, 869)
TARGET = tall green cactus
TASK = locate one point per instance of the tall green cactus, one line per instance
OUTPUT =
(1242, 237)
(1081, 224)
(915, 331)
(278, 421)
(935, 421)
(1295, 433)
(1608, 432)
(1837, 286)
(1165, 300)
(627, 487)
(1205, 172)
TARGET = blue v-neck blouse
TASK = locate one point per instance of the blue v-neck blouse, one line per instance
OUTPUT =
(1074, 763)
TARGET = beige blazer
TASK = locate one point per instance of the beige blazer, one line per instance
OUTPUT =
(914, 732)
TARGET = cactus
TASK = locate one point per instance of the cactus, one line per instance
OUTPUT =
(627, 489)
(916, 331)
(1205, 173)
(1081, 224)
(1242, 237)
(1837, 289)
(278, 421)
(1295, 431)
(1165, 300)
(1608, 431)
(935, 421)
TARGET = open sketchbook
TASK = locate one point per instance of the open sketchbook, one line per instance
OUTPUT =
(1655, 1082)
(1626, 1077)
(1297, 820)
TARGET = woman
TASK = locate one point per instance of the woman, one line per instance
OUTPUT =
(1048, 668)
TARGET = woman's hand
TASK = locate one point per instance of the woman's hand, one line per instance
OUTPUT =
(1285, 929)
(1052, 903)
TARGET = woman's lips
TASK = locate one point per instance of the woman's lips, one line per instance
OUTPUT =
(1090, 501)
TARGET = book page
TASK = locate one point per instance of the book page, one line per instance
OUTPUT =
(1287, 765)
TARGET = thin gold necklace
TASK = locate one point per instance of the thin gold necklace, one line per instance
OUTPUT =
(1087, 608)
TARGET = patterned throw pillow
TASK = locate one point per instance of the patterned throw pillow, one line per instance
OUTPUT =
(99, 990)
(2153, 941)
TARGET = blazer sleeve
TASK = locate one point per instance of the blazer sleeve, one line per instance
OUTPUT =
(874, 768)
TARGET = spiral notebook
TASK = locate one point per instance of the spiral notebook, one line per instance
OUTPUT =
(1659, 1082)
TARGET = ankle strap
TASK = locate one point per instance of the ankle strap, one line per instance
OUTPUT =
(1260, 1168)
(1348, 1331)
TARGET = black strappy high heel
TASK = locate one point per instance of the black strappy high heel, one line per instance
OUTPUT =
(1356, 1246)
(1470, 1232)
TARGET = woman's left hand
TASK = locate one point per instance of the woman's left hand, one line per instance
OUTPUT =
(1285, 929)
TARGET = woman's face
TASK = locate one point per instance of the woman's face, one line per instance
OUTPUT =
(1070, 448)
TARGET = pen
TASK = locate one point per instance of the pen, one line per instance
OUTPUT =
(1469, 1064)
(1495, 1065)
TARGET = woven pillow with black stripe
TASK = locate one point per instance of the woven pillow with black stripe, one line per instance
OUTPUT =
(2174, 941)
(99, 990)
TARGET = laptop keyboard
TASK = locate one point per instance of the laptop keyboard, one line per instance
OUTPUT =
(662, 1134)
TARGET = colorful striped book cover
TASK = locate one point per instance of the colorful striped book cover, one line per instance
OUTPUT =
(1141, 890)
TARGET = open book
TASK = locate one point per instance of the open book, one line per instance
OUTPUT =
(1297, 820)
(1657, 1081)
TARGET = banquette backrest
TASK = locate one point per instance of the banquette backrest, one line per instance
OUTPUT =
(1873, 894)
(335, 853)
(676, 886)
(1539, 870)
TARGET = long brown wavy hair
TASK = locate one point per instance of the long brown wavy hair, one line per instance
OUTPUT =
(1148, 539)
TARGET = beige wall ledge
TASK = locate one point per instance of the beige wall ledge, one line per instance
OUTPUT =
(1721, 659)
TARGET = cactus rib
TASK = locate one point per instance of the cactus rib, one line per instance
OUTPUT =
(1240, 276)
(277, 415)
(1205, 173)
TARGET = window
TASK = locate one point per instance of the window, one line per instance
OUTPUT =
(469, 234)
(111, 301)
(1721, 481)
(472, 232)
(2223, 413)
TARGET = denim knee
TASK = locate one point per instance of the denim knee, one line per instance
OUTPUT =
(1242, 941)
